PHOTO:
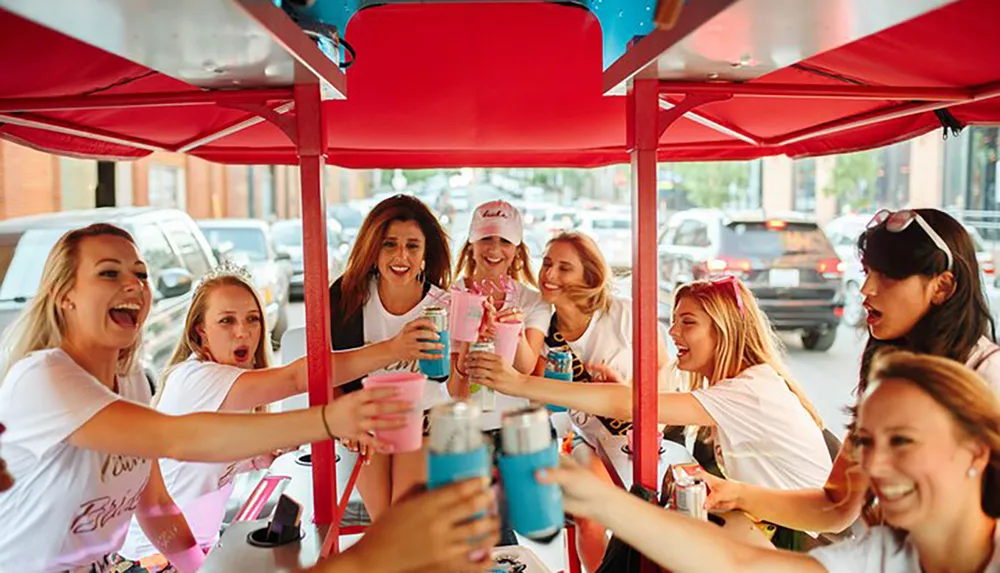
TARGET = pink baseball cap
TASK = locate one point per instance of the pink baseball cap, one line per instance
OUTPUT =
(496, 219)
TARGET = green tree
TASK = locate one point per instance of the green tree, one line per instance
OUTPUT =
(708, 184)
(854, 177)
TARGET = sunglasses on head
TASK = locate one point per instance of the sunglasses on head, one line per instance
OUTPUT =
(899, 221)
(727, 283)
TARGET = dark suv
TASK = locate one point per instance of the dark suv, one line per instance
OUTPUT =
(175, 250)
(788, 264)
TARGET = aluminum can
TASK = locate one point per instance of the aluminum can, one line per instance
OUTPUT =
(488, 397)
(689, 497)
(456, 427)
(535, 509)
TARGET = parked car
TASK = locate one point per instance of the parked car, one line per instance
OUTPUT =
(287, 237)
(788, 264)
(844, 231)
(350, 220)
(247, 242)
(176, 254)
(612, 231)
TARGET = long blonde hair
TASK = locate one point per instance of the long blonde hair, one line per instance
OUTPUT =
(743, 333)
(43, 324)
(191, 343)
(520, 270)
(595, 294)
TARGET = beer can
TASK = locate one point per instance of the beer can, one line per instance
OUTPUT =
(689, 497)
(488, 397)
(456, 427)
(559, 365)
(525, 431)
(438, 315)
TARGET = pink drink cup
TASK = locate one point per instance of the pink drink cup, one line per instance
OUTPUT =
(508, 334)
(465, 316)
(409, 388)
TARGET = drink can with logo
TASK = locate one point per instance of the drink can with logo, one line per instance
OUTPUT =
(488, 397)
(558, 366)
(689, 497)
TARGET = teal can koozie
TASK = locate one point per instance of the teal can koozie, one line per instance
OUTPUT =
(558, 366)
(438, 369)
(535, 510)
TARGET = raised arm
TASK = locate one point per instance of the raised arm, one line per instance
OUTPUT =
(829, 510)
(231, 437)
(259, 387)
(674, 541)
(612, 400)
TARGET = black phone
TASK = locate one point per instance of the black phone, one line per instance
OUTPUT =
(285, 521)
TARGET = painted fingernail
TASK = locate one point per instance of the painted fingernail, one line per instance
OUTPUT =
(477, 555)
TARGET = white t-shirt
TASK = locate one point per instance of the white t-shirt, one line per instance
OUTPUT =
(200, 490)
(69, 506)
(608, 339)
(537, 314)
(766, 436)
(381, 325)
(881, 550)
(985, 360)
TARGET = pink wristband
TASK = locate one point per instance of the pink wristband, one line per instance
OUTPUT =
(187, 561)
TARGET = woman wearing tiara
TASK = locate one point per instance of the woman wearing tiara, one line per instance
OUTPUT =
(223, 363)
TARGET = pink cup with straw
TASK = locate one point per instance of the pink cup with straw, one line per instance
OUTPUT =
(409, 388)
(508, 334)
(465, 316)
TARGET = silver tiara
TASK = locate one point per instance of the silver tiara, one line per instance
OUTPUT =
(227, 269)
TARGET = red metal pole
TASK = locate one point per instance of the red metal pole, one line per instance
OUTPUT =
(789, 91)
(643, 135)
(128, 101)
(311, 147)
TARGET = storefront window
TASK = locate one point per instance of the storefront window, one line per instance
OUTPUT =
(804, 185)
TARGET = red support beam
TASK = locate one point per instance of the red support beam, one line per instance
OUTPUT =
(311, 145)
(69, 128)
(643, 132)
(877, 116)
(230, 129)
(796, 91)
(131, 101)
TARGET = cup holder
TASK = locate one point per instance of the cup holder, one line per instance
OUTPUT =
(307, 460)
(265, 539)
(628, 451)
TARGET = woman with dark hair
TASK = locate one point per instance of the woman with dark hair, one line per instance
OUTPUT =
(923, 293)
(400, 264)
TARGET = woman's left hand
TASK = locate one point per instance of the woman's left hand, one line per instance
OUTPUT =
(490, 370)
(583, 492)
(510, 314)
(487, 328)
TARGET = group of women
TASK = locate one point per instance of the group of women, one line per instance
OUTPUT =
(108, 478)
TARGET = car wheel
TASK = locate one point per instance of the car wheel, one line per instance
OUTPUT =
(819, 340)
(854, 310)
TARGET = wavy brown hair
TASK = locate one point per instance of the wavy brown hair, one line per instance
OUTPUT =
(364, 255)
(973, 405)
(595, 294)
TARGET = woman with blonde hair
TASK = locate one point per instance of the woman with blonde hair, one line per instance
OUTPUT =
(399, 265)
(928, 442)
(223, 364)
(595, 327)
(80, 436)
(766, 431)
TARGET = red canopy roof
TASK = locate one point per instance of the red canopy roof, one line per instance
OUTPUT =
(502, 84)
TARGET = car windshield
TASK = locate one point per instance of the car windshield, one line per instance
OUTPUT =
(290, 235)
(615, 224)
(20, 254)
(760, 240)
(247, 242)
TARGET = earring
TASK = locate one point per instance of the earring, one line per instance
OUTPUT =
(973, 472)
(375, 271)
(421, 276)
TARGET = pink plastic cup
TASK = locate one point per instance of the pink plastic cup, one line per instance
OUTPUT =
(508, 334)
(409, 388)
(465, 316)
